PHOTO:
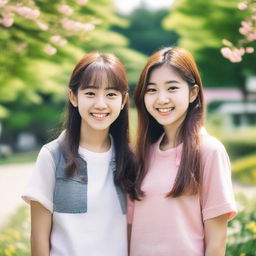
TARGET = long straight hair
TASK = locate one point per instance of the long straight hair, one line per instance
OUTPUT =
(149, 130)
(94, 68)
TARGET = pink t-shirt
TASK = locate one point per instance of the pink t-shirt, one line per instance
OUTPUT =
(164, 226)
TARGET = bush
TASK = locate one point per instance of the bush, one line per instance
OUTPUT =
(242, 229)
(238, 142)
(244, 169)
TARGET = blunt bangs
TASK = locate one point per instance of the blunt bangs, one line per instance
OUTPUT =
(100, 74)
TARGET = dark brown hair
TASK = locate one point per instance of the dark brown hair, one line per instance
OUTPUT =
(149, 130)
(94, 68)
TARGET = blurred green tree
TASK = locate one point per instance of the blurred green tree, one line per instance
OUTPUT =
(145, 31)
(39, 53)
(202, 25)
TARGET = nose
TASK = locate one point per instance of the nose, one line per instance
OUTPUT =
(163, 98)
(100, 102)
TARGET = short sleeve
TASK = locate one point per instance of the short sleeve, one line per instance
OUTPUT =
(217, 197)
(41, 184)
(130, 210)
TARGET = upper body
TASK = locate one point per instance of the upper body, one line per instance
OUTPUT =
(175, 226)
(183, 175)
(76, 191)
(87, 217)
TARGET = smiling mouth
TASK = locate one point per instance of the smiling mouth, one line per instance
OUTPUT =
(99, 116)
(165, 110)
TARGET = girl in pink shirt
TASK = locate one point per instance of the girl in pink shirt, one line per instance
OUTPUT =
(184, 180)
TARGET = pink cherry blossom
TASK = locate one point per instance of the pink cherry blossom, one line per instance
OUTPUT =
(3, 2)
(243, 31)
(58, 40)
(249, 49)
(7, 20)
(242, 6)
(234, 55)
(65, 9)
(42, 25)
(246, 24)
(72, 25)
(27, 12)
(252, 36)
(50, 50)
(225, 51)
(81, 2)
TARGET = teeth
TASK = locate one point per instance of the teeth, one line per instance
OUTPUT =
(99, 115)
(163, 110)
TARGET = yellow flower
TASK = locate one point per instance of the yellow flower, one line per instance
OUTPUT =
(10, 250)
(15, 234)
(242, 254)
(252, 226)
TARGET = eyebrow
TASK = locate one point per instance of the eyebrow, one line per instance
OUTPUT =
(167, 82)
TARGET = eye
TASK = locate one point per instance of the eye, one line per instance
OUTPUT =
(112, 94)
(150, 90)
(90, 94)
(173, 88)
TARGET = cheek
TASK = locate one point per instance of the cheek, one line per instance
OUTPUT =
(117, 105)
(148, 102)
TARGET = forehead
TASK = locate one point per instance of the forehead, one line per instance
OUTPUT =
(163, 74)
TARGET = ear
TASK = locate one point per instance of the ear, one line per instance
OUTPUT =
(193, 93)
(124, 100)
(72, 98)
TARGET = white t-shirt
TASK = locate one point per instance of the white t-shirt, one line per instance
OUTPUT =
(102, 229)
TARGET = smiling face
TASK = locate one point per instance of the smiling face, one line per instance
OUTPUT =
(98, 106)
(168, 96)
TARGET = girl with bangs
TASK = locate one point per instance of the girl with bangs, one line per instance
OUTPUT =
(77, 190)
(183, 183)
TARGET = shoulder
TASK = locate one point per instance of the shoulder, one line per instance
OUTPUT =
(213, 151)
(210, 144)
(53, 147)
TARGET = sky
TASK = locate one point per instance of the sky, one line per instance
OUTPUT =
(126, 6)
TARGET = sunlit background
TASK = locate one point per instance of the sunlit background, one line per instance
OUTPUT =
(40, 43)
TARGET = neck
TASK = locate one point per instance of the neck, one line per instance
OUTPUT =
(95, 140)
(170, 139)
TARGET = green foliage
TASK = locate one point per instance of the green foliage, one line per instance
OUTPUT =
(239, 142)
(242, 229)
(134, 62)
(31, 71)
(244, 169)
(20, 158)
(239, 145)
(33, 85)
(145, 31)
(202, 26)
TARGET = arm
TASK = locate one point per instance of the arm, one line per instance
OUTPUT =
(41, 222)
(129, 231)
(215, 235)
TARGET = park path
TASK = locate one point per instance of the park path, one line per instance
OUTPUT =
(13, 178)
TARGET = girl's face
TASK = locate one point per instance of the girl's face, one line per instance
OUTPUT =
(98, 106)
(167, 97)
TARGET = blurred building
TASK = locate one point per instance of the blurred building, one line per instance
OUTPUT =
(229, 105)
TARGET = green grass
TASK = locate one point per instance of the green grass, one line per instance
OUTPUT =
(19, 158)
